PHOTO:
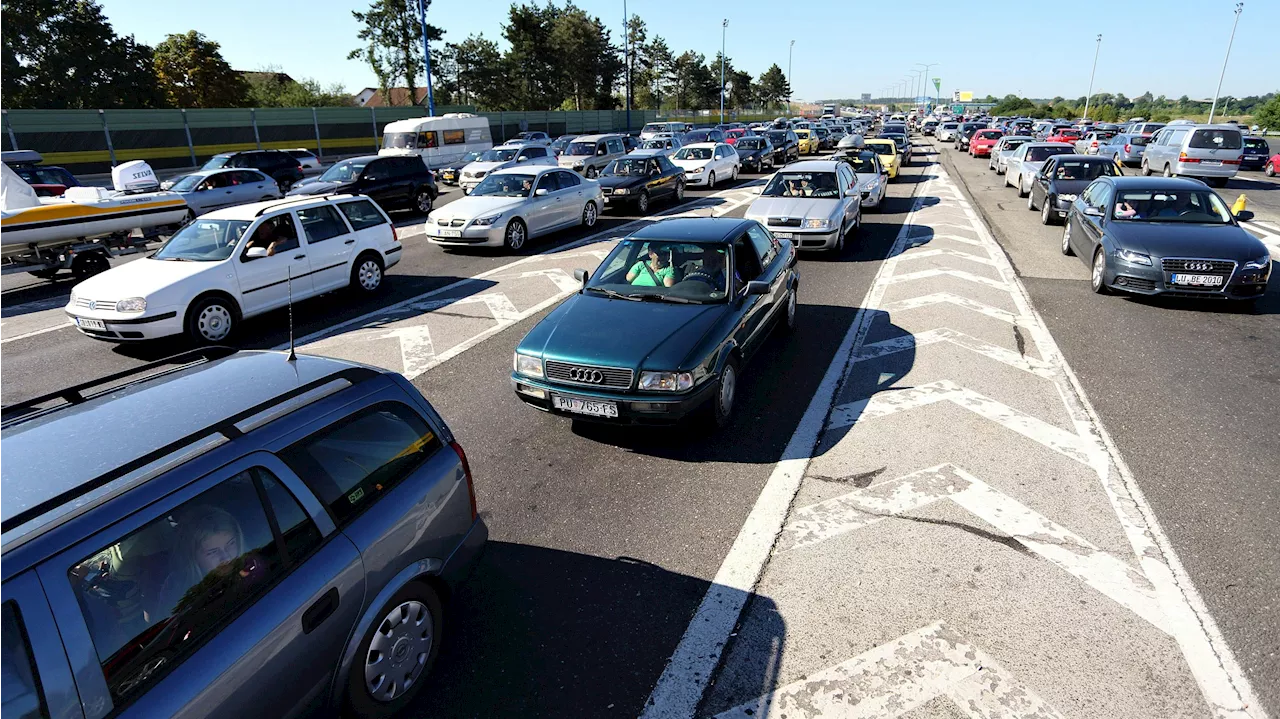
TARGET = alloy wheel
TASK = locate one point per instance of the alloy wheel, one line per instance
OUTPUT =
(1045, 215)
(728, 387)
(1066, 239)
(679, 191)
(589, 215)
(1097, 277)
(642, 203)
(591, 173)
(515, 235)
(424, 202)
(399, 651)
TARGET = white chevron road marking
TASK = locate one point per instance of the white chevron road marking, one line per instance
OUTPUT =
(960, 274)
(904, 343)
(935, 298)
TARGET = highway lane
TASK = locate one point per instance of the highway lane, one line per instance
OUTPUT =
(1188, 391)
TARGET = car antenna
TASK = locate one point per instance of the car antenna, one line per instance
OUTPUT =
(293, 355)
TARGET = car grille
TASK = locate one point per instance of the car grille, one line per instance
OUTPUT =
(456, 222)
(1198, 266)
(784, 221)
(88, 304)
(616, 377)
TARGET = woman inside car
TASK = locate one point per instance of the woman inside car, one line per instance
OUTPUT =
(656, 271)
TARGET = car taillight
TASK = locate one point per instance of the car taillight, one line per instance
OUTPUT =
(1182, 157)
(1231, 162)
(299, 168)
(395, 235)
(466, 469)
(1127, 148)
(1093, 144)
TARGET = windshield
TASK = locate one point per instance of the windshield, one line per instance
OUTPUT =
(1216, 140)
(505, 184)
(1084, 169)
(400, 141)
(883, 148)
(1011, 145)
(655, 127)
(863, 164)
(778, 137)
(203, 241)
(187, 183)
(1040, 154)
(663, 271)
(655, 144)
(693, 153)
(990, 135)
(949, 126)
(628, 167)
(750, 143)
(216, 162)
(469, 158)
(344, 171)
(581, 148)
(1256, 144)
(803, 184)
(499, 154)
(698, 136)
(1200, 206)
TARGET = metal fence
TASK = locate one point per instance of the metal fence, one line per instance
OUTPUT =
(92, 141)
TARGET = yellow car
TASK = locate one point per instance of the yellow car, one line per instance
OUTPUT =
(808, 142)
(888, 152)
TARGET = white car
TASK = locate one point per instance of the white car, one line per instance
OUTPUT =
(946, 132)
(513, 205)
(307, 159)
(1004, 149)
(1027, 160)
(234, 263)
(816, 204)
(502, 157)
(873, 179)
(706, 163)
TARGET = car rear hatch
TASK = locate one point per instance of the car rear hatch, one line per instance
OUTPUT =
(1213, 149)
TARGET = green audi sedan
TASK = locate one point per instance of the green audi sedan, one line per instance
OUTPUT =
(663, 328)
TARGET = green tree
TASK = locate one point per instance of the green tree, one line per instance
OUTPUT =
(1268, 115)
(268, 87)
(532, 57)
(657, 68)
(392, 38)
(742, 91)
(192, 73)
(589, 63)
(482, 73)
(635, 39)
(772, 88)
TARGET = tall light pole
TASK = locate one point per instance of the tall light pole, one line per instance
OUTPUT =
(1213, 108)
(724, 27)
(626, 39)
(789, 49)
(925, 87)
(915, 85)
(426, 56)
(1089, 97)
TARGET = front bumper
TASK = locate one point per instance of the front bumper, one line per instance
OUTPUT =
(1253, 163)
(807, 239)
(489, 236)
(871, 198)
(1144, 280)
(698, 179)
(633, 408)
(119, 327)
(982, 150)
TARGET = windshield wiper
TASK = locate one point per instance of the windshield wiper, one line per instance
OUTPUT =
(663, 298)
(615, 295)
(177, 259)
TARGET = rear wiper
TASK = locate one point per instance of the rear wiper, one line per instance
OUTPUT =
(663, 298)
(615, 295)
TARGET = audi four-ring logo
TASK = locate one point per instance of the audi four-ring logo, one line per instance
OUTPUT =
(1199, 266)
(581, 374)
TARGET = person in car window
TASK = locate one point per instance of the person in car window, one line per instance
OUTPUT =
(210, 555)
(711, 271)
(1180, 204)
(270, 236)
(655, 272)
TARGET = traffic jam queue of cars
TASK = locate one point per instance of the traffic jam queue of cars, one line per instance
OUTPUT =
(1146, 235)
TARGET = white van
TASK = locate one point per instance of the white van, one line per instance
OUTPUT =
(653, 129)
(440, 141)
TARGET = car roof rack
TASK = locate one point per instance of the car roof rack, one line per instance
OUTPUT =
(76, 394)
(307, 198)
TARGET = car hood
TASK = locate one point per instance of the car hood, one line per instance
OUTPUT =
(803, 207)
(571, 160)
(318, 187)
(1176, 239)
(592, 329)
(471, 206)
(142, 278)
(487, 167)
(690, 164)
(1068, 187)
(749, 154)
(616, 181)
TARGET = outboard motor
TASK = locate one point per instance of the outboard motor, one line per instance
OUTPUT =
(133, 177)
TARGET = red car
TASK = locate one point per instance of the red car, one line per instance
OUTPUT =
(731, 136)
(1069, 135)
(1273, 165)
(982, 141)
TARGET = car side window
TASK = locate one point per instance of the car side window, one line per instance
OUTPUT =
(151, 597)
(248, 177)
(568, 179)
(376, 170)
(548, 182)
(1100, 197)
(765, 245)
(532, 152)
(746, 260)
(321, 223)
(665, 164)
(362, 214)
(427, 139)
(275, 235)
(351, 463)
(23, 697)
(615, 146)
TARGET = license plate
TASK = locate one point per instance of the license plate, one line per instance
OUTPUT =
(91, 324)
(451, 233)
(1202, 280)
(1211, 162)
(579, 405)
(783, 235)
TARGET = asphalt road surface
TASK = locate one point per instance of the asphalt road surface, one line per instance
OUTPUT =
(915, 511)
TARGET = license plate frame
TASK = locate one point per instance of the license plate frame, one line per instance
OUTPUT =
(1211, 163)
(450, 233)
(584, 406)
(1185, 279)
(89, 323)
(784, 235)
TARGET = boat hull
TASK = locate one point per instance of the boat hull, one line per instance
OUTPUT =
(55, 223)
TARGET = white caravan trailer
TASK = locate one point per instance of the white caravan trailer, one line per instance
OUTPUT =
(440, 141)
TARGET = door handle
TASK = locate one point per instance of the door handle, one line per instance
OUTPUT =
(299, 257)
(349, 242)
(320, 611)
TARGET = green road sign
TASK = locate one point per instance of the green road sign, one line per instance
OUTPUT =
(937, 84)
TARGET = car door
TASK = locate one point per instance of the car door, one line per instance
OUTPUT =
(377, 180)
(253, 186)
(1093, 226)
(754, 309)
(270, 282)
(234, 596)
(329, 244)
(573, 198)
(1040, 182)
(211, 193)
(545, 211)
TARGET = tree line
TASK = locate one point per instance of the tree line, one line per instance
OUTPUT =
(1107, 107)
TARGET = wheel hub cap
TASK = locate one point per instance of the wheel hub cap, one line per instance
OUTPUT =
(398, 652)
(370, 275)
(727, 383)
(214, 322)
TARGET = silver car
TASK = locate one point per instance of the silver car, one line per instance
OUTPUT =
(1126, 149)
(209, 190)
(1092, 141)
(511, 154)
(947, 131)
(1208, 152)
(1004, 149)
(1027, 160)
(816, 204)
(590, 154)
(873, 179)
(665, 142)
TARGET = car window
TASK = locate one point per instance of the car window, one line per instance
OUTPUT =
(276, 235)
(23, 698)
(151, 597)
(362, 214)
(248, 177)
(376, 170)
(215, 182)
(1177, 136)
(301, 154)
(766, 247)
(321, 223)
(350, 464)
(746, 260)
(1101, 196)
(615, 146)
(569, 179)
(548, 182)
(535, 152)
(1216, 140)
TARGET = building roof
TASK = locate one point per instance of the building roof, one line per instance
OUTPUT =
(399, 96)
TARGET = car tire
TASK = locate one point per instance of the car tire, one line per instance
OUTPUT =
(367, 273)
(413, 617)
(211, 320)
(592, 173)
(590, 215)
(516, 235)
(838, 248)
(711, 180)
(1066, 240)
(725, 399)
(1006, 180)
(788, 322)
(679, 191)
(642, 203)
(1098, 272)
(734, 177)
(1046, 213)
(1031, 201)
(88, 264)
(1269, 170)
(423, 201)
(1168, 171)
(1022, 191)
(1146, 169)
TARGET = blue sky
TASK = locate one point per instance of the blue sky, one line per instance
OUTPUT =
(1174, 47)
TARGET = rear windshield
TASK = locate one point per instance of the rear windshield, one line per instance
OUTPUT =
(1216, 140)
(1037, 154)
(751, 143)
(655, 127)
(1084, 169)
(1139, 140)
(989, 135)
(1256, 144)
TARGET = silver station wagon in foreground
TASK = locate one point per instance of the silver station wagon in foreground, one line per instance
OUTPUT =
(225, 534)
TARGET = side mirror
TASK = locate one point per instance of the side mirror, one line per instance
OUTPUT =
(540, 192)
(581, 276)
(757, 287)
(255, 253)
(757, 189)
(1244, 215)
(1093, 211)
(522, 158)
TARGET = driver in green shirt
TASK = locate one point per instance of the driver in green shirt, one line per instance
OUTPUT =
(657, 271)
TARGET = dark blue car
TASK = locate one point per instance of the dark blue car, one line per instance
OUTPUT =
(664, 327)
(1164, 236)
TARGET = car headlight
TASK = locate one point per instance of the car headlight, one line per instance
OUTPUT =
(817, 224)
(72, 299)
(666, 381)
(620, 191)
(1261, 263)
(132, 304)
(486, 220)
(578, 166)
(478, 174)
(1136, 258)
(528, 365)
(1067, 198)
(696, 170)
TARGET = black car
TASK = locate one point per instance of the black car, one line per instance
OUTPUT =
(786, 146)
(1164, 236)
(904, 145)
(450, 173)
(1061, 179)
(756, 153)
(281, 166)
(705, 135)
(394, 181)
(965, 133)
(640, 177)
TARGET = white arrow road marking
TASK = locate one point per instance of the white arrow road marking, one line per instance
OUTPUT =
(961, 274)
(563, 280)
(1099, 569)
(943, 334)
(883, 404)
(895, 678)
(416, 349)
(950, 298)
(948, 252)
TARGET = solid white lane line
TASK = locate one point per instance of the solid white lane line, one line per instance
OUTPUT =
(33, 333)
(680, 688)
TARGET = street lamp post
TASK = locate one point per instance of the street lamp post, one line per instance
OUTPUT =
(789, 49)
(915, 86)
(626, 39)
(1213, 108)
(1089, 97)
(426, 56)
(925, 87)
(724, 27)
